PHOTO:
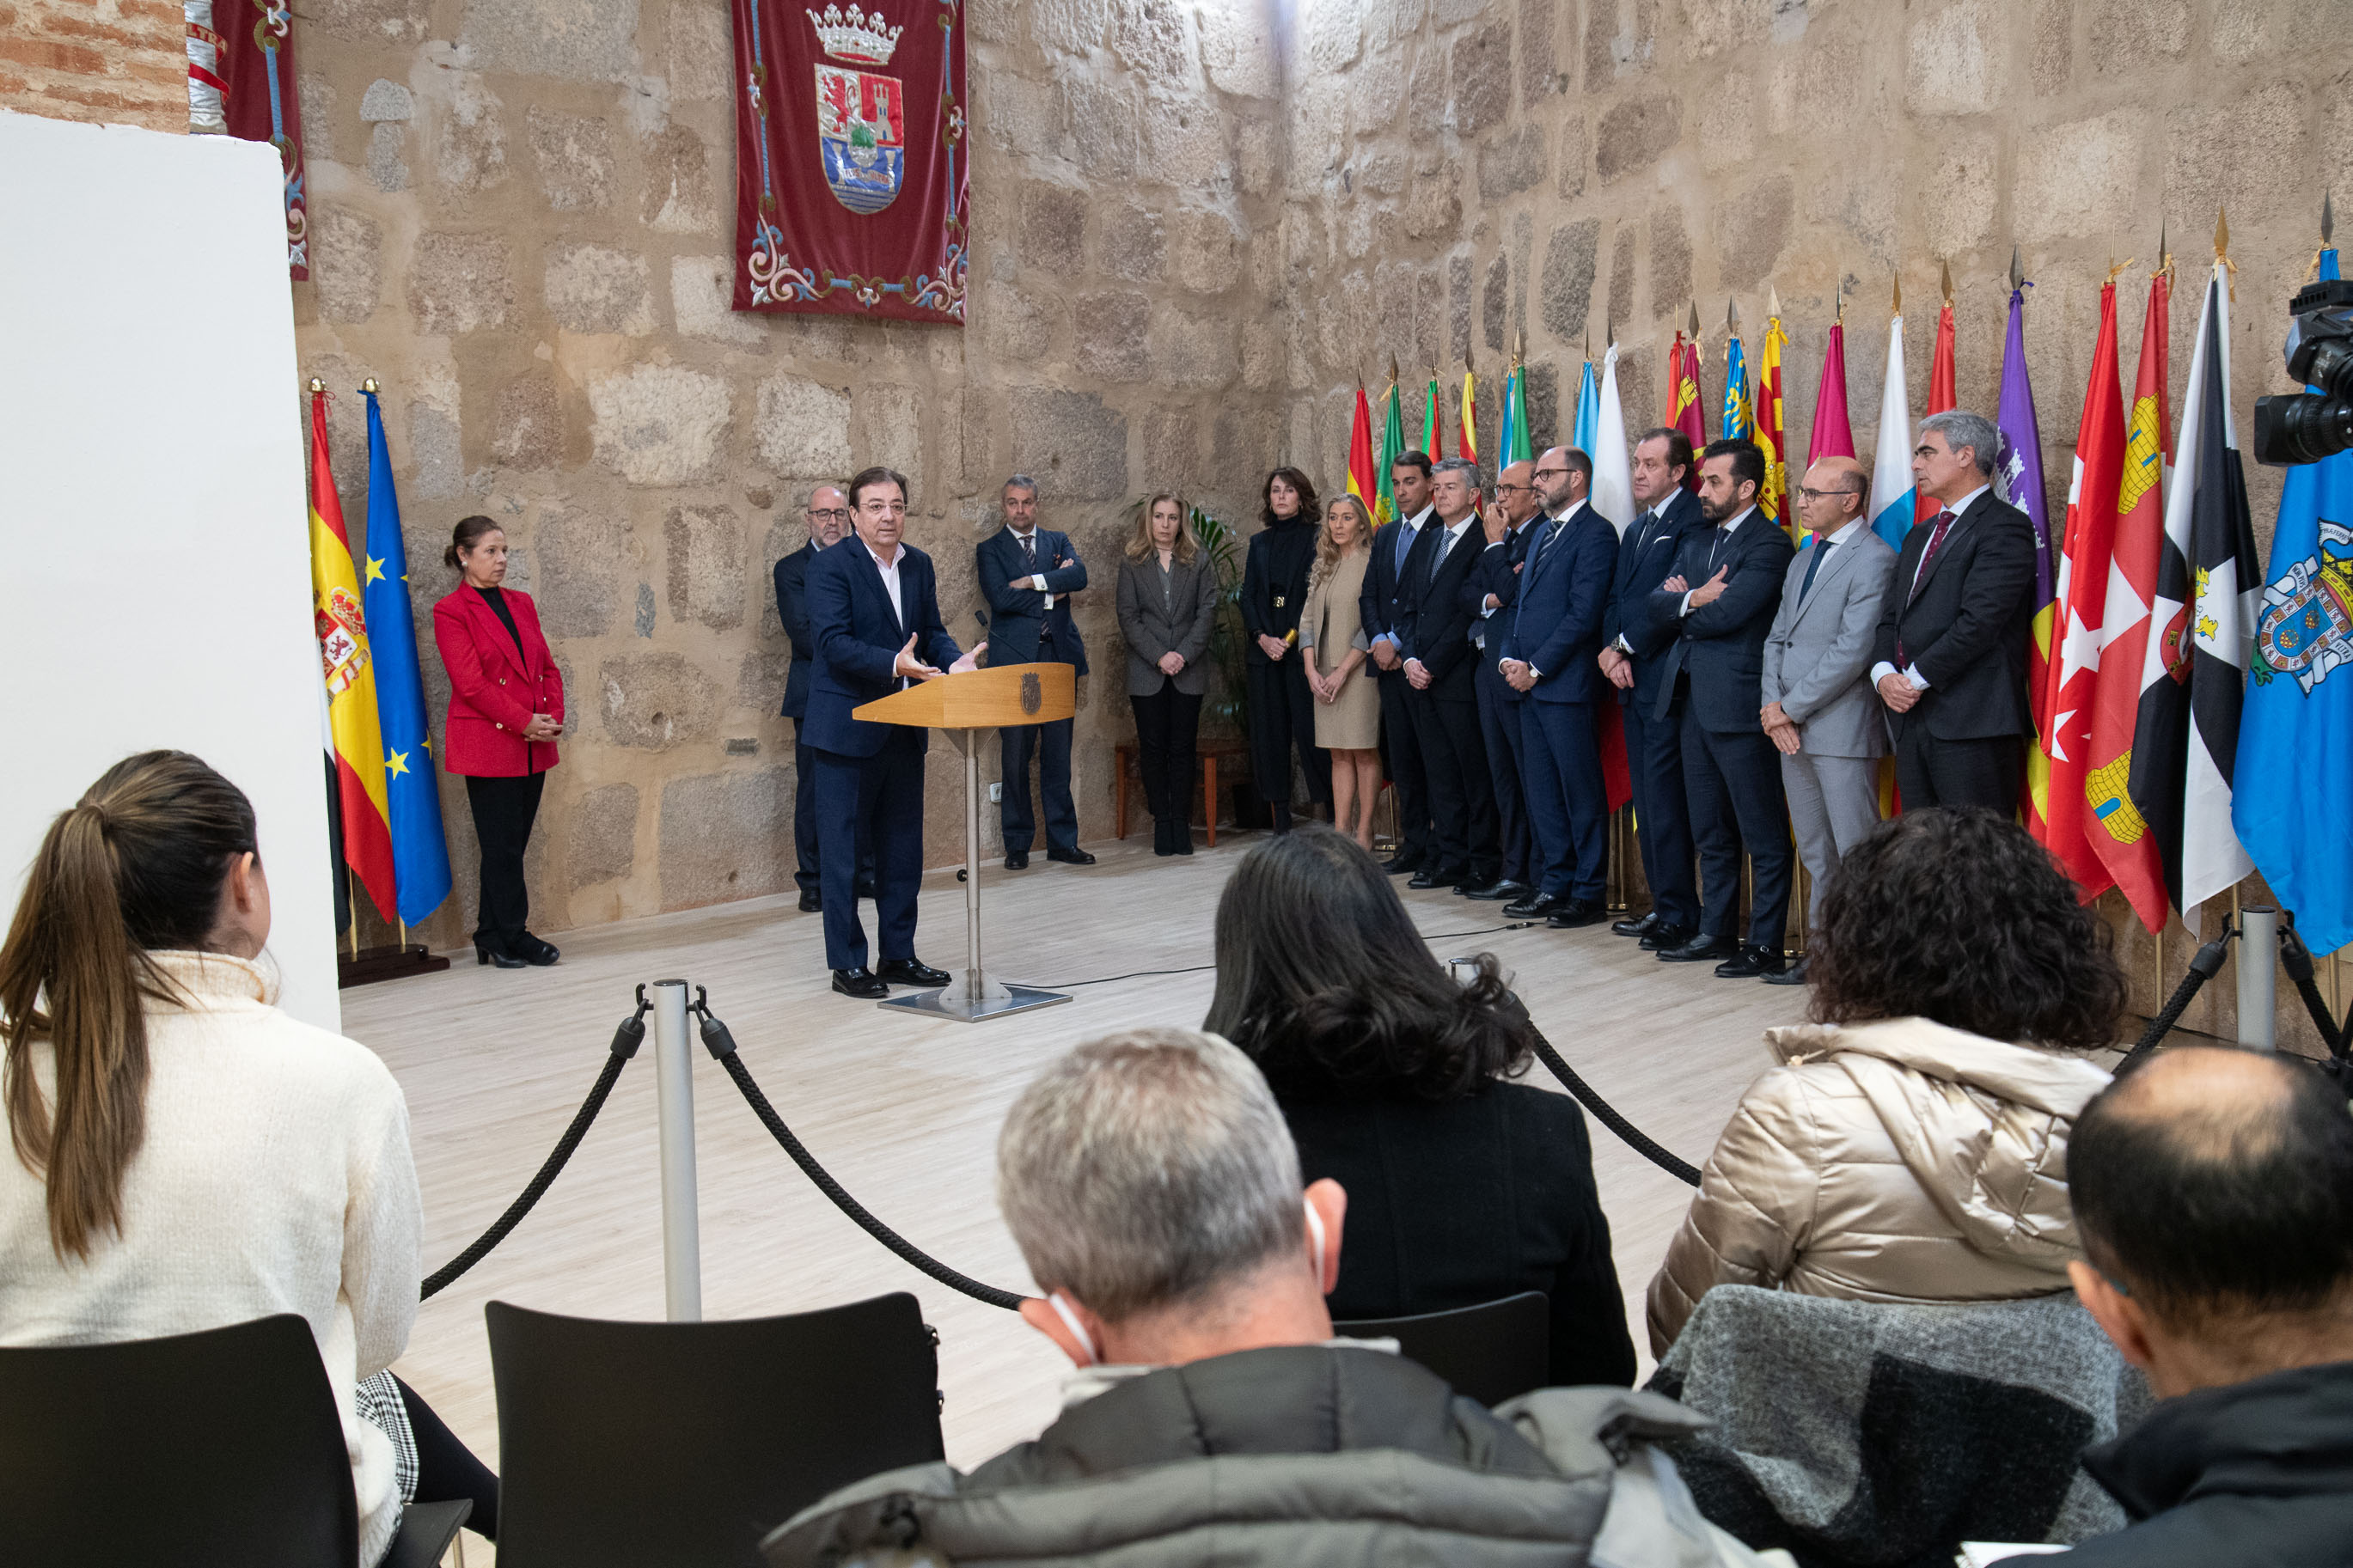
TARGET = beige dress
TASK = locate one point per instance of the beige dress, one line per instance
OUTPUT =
(1329, 626)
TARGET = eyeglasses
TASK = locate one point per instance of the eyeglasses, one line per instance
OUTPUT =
(1811, 494)
(824, 514)
(1551, 473)
(1501, 488)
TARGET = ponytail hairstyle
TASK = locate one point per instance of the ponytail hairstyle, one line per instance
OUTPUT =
(462, 537)
(135, 868)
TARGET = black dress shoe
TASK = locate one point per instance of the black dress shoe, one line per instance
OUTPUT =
(1162, 838)
(859, 983)
(812, 902)
(497, 955)
(865, 887)
(1016, 860)
(1665, 939)
(1751, 962)
(1701, 950)
(1535, 905)
(1400, 863)
(1633, 927)
(1574, 913)
(1180, 838)
(1074, 856)
(910, 972)
(1439, 877)
(536, 952)
(1793, 976)
(1425, 878)
(1504, 892)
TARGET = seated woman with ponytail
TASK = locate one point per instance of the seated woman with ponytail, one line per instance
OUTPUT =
(1463, 1185)
(186, 1155)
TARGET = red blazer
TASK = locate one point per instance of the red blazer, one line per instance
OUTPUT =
(493, 694)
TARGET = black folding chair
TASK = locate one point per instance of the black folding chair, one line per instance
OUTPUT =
(681, 1445)
(220, 1450)
(1490, 1351)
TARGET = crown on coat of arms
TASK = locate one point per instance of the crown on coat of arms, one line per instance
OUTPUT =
(855, 35)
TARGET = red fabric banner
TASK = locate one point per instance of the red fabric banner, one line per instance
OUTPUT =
(255, 72)
(851, 172)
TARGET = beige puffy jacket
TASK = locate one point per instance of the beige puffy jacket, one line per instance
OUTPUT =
(1897, 1160)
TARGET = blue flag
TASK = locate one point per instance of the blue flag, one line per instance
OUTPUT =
(1589, 411)
(2295, 731)
(421, 855)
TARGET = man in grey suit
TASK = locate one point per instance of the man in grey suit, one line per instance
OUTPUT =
(1820, 709)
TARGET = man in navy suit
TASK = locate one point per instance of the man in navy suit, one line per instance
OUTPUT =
(1633, 652)
(1435, 632)
(1381, 608)
(874, 615)
(1512, 526)
(828, 515)
(1721, 601)
(1027, 575)
(1551, 656)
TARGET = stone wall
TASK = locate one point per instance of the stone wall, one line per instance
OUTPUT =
(121, 62)
(522, 213)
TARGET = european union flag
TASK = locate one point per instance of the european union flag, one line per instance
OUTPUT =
(2295, 731)
(421, 855)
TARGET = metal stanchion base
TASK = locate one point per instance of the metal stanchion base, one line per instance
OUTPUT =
(939, 1005)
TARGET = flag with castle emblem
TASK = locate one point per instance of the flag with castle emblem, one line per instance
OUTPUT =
(853, 166)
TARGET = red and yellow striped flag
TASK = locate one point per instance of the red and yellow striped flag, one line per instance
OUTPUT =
(1470, 434)
(1771, 439)
(338, 613)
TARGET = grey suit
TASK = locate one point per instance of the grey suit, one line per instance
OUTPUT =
(1818, 668)
(1182, 627)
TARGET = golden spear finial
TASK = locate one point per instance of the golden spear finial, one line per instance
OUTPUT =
(369, 386)
(1772, 302)
(1731, 317)
(2017, 273)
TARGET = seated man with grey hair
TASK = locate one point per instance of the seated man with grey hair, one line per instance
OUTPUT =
(1153, 1188)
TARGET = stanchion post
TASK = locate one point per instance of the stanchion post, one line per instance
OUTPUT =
(2258, 958)
(674, 1096)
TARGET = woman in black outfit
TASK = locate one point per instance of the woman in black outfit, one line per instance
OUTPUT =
(1274, 590)
(1463, 1187)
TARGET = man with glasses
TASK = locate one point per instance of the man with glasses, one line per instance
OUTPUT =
(1510, 526)
(1820, 711)
(828, 515)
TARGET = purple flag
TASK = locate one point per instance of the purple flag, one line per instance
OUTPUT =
(2018, 479)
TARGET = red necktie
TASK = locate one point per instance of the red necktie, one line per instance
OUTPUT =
(1944, 525)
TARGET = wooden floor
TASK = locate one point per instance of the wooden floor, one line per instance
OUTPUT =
(905, 1113)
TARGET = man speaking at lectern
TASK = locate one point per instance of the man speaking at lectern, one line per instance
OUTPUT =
(875, 617)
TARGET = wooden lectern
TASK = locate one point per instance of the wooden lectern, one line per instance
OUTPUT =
(968, 706)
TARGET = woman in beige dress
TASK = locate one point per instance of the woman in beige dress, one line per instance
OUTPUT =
(1332, 637)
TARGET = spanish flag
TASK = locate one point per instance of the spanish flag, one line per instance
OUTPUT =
(1468, 435)
(338, 613)
(1361, 481)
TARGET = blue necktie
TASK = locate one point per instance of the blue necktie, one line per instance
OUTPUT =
(1822, 548)
(1404, 544)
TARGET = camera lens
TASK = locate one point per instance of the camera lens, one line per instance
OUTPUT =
(2295, 428)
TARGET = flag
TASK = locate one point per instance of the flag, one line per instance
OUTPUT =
(1941, 395)
(1612, 491)
(1834, 436)
(2297, 729)
(1519, 443)
(340, 615)
(2186, 744)
(1432, 437)
(1684, 409)
(1588, 410)
(1739, 422)
(2018, 479)
(1361, 483)
(1773, 500)
(2063, 708)
(1892, 500)
(2119, 834)
(1469, 434)
(1392, 447)
(420, 854)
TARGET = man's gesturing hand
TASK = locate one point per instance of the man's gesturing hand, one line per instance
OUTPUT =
(968, 662)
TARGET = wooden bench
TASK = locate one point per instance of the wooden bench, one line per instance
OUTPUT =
(1209, 754)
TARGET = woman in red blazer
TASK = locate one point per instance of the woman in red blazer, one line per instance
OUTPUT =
(506, 707)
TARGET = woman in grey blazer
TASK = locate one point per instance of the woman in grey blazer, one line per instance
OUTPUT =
(1167, 604)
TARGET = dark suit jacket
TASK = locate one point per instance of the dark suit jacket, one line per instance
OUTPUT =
(1645, 560)
(1381, 604)
(858, 641)
(792, 608)
(1966, 628)
(1498, 573)
(1017, 614)
(1722, 645)
(1437, 623)
(1563, 594)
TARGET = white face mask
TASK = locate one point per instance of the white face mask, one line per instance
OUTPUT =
(1064, 1310)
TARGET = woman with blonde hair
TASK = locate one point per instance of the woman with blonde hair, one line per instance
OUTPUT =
(1333, 650)
(1168, 606)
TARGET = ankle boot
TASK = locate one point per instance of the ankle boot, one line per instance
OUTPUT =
(1161, 844)
(1180, 837)
(1282, 817)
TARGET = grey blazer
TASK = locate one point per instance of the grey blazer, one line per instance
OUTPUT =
(1817, 655)
(1149, 631)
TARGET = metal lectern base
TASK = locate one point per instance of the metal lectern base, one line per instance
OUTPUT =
(939, 1005)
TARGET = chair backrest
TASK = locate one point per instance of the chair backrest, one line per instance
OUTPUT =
(220, 1450)
(1490, 1351)
(653, 1445)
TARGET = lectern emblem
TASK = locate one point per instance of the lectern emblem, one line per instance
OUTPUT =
(1033, 696)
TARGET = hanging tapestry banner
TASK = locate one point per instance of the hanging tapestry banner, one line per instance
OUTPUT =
(850, 172)
(241, 81)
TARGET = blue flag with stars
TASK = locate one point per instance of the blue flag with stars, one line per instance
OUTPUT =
(420, 855)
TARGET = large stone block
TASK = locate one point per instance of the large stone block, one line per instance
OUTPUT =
(437, 465)
(324, 136)
(527, 431)
(1429, 316)
(1540, 75)
(1434, 208)
(1238, 51)
(1052, 230)
(1132, 245)
(660, 424)
(891, 425)
(1458, 307)
(802, 428)
(1014, 325)
(385, 100)
(346, 262)
(1112, 332)
(1621, 274)
(1953, 62)
(1671, 261)
(726, 835)
(580, 40)
(1070, 27)
(1751, 231)
(2250, 154)
(2079, 178)
(1565, 293)
(1425, 99)
(387, 168)
(1206, 251)
(1196, 353)
(705, 546)
(1635, 134)
(679, 197)
(375, 21)
(1185, 142)
(586, 569)
(652, 701)
(1150, 36)
(2052, 59)
(1960, 213)
(1481, 66)
(1334, 35)
(460, 283)
(1172, 449)
(1100, 120)
(2136, 35)
(1024, 116)
(1075, 445)
(573, 154)
(1513, 162)
(1495, 303)
(593, 289)
(1620, 39)
(603, 835)
(701, 291)
(701, 53)
(471, 139)
(1262, 356)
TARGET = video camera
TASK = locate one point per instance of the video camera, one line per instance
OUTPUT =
(2306, 427)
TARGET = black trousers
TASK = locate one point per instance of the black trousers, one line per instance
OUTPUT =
(447, 1470)
(1402, 749)
(1732, 784)
(1930, 772)
(1462, 834)
(808, 874)
(1282, 715)
(1167, 723)
(504, 810)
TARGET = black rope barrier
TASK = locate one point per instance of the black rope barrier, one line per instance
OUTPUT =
(626, 1041)
(1607, 1114)
(2203, 966)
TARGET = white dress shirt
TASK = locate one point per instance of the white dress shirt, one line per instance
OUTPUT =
(1038, 580)
(1882, 669)
(889, 570)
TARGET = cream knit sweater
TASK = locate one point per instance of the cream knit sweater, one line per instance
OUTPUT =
(275, 1177)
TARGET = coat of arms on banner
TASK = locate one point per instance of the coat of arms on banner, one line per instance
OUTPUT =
(860, 126)
(2306, 629)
